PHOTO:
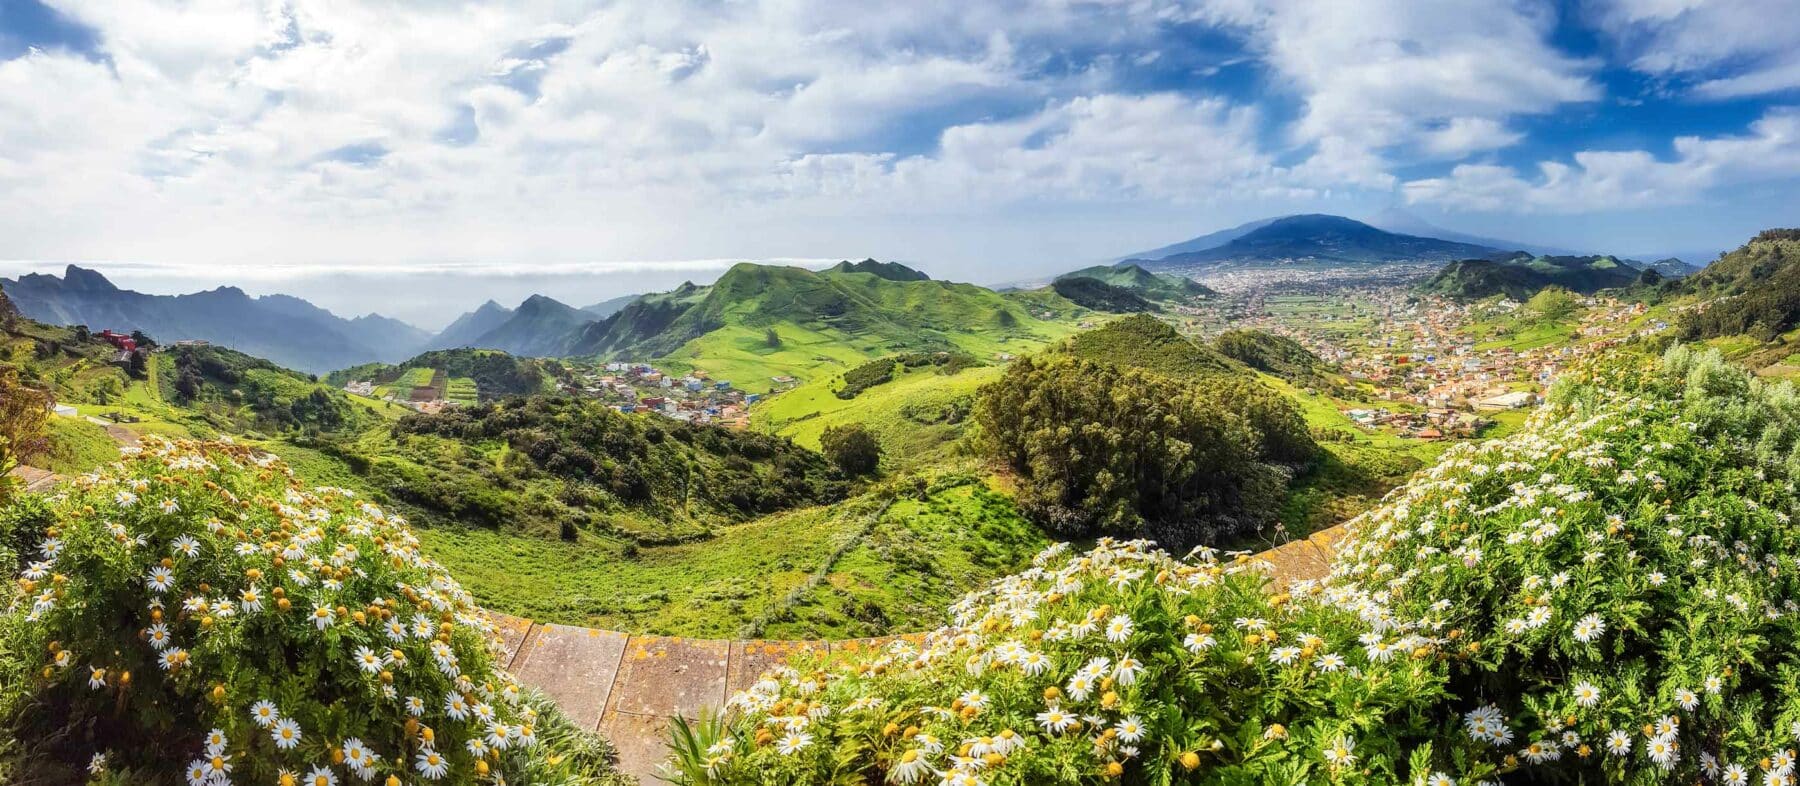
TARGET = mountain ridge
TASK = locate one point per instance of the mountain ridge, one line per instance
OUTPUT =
(282, 328)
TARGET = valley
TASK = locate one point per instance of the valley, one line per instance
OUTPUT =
(698, 489)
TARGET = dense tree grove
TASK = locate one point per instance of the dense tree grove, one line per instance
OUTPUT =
(643, 462)
(1104, 450)
(1758, 287)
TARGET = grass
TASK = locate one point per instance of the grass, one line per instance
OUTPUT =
(75, 445)
(910, 415)
(414, 378)
(919, 557)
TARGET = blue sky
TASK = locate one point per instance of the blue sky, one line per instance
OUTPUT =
(981, 140)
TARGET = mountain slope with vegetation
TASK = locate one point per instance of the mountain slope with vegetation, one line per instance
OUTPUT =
(1318, 240)
(1155, 286)
(1520, 276)
(1754, 290)
(286, 330)
(1529, 610)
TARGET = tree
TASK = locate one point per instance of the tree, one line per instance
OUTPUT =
(82, 336)
(143, 340)
(1104, 450)
(852, 447)
(772, 338)
(137, 366)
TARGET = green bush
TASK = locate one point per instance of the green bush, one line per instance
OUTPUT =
(852, 447)
(197, 611)
(1611, 595)
(1105, 450)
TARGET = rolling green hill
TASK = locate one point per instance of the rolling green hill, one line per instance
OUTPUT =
(1754, 290)
(1131, 276)
(759, 321)
(1520, 276)
(1098, 295)
(471, 374)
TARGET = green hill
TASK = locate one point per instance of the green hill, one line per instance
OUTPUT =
(758, 321)
(1148, 343)
(1754, 290)
(892, 271)
(1520, 276)
(470, 374)
(1098, 295)
(1278, 355)
(1155, 286)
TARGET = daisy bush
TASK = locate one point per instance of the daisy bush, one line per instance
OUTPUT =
(1624, 573)
(194, 609)
(1608, 596)
(1120, 662)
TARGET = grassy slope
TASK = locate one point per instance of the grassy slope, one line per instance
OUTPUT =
(805, 412)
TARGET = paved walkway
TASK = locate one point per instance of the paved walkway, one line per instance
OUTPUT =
(628, 687)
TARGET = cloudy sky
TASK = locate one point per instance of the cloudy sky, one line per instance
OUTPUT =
(248, 140)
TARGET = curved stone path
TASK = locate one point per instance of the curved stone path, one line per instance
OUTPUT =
(627, 687)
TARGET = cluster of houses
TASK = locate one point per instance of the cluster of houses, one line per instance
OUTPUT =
(691, 398)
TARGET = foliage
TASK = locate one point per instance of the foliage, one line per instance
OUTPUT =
(881, 371)
(1606, 596)
(199, 586)
(600, 459)
(1521, 276)
(852, 448)
(496, 374)
(238, 392)
(1757, 286)
(1098, 295)
(1119, 663)
(1552, 304)
(1143, 341)
(22, 416)
(1101, 449)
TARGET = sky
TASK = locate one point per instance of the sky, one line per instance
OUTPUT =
(346, 150)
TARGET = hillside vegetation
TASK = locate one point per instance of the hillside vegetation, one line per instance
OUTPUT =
(1520, 276)
(1597, 599)
(1154, 286)
(1754, 290)
(830, 319)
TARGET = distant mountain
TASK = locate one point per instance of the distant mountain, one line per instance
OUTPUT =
(892, 271)
(1402, 222)
(1520, 276)
(1671, 267)
(1319, 240)
(470, 327)
(539, 327)
(607, 308)
(390, 332)
(1201, 243)
(283, 329)
(1132, 276)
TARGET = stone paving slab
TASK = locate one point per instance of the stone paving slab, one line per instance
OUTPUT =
(1294, 561)
(1328, 539)
(641, 740)
(575, 666)
(662, 676)
(749, 659)
(513, 631)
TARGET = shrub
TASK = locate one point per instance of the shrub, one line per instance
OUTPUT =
(852, 447)
(1104, 450)
(200, 587)
(1611, 595)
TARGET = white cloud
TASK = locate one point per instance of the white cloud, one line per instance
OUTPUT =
(1386, 79)
(1600, 181)
(1723, 48)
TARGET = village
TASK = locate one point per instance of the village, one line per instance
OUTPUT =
(1418, 366)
